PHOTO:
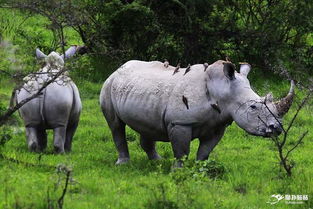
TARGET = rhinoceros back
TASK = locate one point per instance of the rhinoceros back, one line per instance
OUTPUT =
(53, 108)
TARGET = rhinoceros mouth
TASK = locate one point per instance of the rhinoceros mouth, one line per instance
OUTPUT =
(265, 134)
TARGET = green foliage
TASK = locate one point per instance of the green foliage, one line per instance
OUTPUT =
(199, 171)
(133, 29)
(209, 168)
(267, 34)
(5, 131)
(5, 135)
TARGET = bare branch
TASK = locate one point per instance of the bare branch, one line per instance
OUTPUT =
(11, 110)
(304, 101)
(297, 144)
(68, 174)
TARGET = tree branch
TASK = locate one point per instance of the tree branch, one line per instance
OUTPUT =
(297, 144)
(4, 117)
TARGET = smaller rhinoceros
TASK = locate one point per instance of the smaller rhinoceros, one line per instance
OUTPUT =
(57, 108)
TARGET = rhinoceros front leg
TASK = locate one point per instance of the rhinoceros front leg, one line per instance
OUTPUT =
(59, 139)
(207, 144)
(149, 147)
(180, 137)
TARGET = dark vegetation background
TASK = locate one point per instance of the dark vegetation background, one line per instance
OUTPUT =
(269, 34)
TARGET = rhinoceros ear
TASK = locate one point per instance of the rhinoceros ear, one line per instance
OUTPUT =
(244, 68)
(40, 54)
(229, 70)
(70, 52)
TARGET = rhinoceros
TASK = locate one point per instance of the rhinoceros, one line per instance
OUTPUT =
(57, 108)
(166, 103)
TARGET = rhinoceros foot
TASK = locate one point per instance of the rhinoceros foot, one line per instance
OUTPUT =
(177, 164)
(121, 161)
(58, 150)
(155, 156)
(33, 147)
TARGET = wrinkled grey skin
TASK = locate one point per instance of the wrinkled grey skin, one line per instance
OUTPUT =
(57, 108)
(147, 97)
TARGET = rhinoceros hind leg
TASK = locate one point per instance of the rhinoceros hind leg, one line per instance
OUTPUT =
(32, 139)
(42, 139)
(59, 139)
(119, 137)
(180, 137)
(70, 131)
(149, 147)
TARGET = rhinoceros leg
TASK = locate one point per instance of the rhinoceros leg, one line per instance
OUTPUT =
(70, 131)
(207, 144)
(42, 139)
(59, 139)
(32, 139)
(119, 137)
(149, 147)
(180, 137)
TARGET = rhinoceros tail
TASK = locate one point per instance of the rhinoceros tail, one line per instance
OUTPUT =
(105, 98)
(42, 105)
(76, 104)
(106, 103)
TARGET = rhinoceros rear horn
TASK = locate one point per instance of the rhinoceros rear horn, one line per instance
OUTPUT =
(284, 104)
(229, 70)
(244, 68)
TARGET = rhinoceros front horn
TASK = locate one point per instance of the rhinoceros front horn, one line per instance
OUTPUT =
(285, 103)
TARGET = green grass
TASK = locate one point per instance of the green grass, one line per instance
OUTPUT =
(250, 173)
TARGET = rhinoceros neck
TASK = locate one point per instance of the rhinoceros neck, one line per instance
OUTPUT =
(35, 81)
(51, 68)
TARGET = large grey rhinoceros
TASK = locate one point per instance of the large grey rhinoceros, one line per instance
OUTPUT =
(57, 108)
(164, 103)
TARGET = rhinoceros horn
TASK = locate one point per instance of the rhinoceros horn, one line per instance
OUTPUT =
(285, 103)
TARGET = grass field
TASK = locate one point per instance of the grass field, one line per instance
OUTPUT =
(243, 171)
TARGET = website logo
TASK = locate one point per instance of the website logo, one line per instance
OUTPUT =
(289, 199)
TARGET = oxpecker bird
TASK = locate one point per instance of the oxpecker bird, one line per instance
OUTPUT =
(185, 100)
(176, 69)
(166, 63)
(206, 65)
(187, 69)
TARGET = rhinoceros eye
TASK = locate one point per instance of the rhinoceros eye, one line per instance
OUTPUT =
(253, 107)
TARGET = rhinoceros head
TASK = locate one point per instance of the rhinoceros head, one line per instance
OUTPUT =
(54, 58)
(257, 115)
